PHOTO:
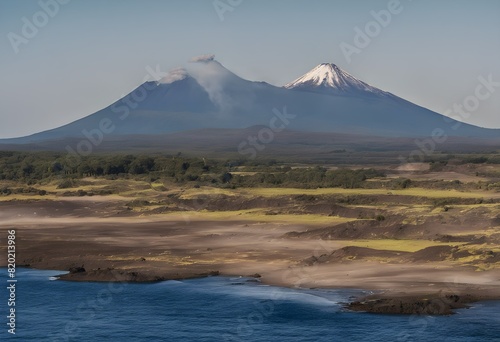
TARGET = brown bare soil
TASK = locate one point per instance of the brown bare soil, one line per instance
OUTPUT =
(422, 251)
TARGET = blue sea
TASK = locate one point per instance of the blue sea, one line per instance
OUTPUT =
(217, 309)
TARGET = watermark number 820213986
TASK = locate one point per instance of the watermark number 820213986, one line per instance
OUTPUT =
(11, 280)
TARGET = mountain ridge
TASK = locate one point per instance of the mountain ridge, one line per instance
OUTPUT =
(205, 94)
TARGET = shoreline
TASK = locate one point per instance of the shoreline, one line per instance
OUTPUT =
(441, 303)
(430, 266)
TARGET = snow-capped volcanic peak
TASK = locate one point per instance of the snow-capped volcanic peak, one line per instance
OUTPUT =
(327, 77)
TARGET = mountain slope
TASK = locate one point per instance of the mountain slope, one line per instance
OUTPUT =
(207, 95)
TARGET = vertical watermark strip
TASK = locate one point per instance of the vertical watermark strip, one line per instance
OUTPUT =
(11, 281)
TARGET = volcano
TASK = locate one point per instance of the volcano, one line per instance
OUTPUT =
(206, 95)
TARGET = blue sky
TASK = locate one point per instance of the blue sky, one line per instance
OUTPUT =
(90, 53)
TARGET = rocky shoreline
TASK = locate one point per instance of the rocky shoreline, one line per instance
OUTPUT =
(428, 304)
(115, 275)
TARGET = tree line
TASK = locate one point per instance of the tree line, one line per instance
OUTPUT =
(33, 167)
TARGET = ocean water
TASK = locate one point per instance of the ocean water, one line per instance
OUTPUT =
(217, 309)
